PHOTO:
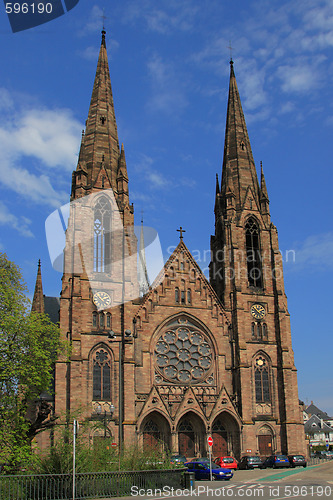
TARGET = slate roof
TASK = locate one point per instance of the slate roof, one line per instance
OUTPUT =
(52, 308)
(314, 410)
(315, 424)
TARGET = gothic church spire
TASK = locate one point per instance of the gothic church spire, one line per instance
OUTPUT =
(238, 164)
(100, 142)
(38, 300)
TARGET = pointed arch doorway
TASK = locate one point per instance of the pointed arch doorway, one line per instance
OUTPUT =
(156, 432)
(265, 441)
(191, 436)
(226, 435)
(186, 438)
(220, 439)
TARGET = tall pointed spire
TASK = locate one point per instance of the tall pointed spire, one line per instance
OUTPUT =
(142, 266)
(101, 136)
(38, 300)
(238, 163)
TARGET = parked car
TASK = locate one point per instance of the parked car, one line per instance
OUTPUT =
(226, 462)
(201, 459)
(250, 462)
(276, 461)
(324, 454)
(297, 460)
(178, 460)
(202, 471)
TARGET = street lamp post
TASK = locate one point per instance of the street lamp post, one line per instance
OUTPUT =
(107, 415)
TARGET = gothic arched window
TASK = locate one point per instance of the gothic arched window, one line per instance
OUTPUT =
(261, 378)
(177, 295)
(189, 299)
(101, 320)
(102, 235)
(94, 320)
(253, 257)
(264, 331)
(101, 375)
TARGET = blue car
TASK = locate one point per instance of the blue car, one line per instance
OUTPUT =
(201, 471)
(276, 461)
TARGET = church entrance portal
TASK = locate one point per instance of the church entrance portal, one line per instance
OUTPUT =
(265, 441)
(186, 439)
(226, 436)
(155, 433)
(220, 439)
(191, 436)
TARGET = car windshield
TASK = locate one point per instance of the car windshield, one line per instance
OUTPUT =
(281, 457)
(254, 459)
(298, 457)
(228, 460)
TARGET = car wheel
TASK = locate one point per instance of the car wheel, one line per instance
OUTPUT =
(304, 465)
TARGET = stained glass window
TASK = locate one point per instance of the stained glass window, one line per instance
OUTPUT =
(102, 375)
(102, 235)
(261, 378)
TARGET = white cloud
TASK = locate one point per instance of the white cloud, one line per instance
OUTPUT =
(168, 95)
(298, 78)
(153, 178)
(34, 143)
(314, 254)
(95, 21)
(20, 224)
(163, 19)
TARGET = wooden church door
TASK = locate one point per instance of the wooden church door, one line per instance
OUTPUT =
(220, 440)
(265, 445)
(186, 439)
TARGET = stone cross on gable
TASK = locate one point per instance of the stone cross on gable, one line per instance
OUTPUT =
(181, 231)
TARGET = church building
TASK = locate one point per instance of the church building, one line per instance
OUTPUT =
(171, 363)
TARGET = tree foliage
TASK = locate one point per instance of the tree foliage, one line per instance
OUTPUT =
(29, 346)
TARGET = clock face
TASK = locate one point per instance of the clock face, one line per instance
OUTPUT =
(258, 311)
(102, 300)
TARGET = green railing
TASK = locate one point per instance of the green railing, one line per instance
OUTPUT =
(87, 485)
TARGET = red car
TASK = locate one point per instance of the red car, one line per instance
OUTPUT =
(226, 462)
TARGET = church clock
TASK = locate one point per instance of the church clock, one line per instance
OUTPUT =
(258, 311)
(102, 299)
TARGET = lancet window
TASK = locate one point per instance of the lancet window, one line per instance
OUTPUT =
(253, 256)
(102, 235)
(101, 375)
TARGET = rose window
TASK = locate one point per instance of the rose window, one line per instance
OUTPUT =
(183, 354)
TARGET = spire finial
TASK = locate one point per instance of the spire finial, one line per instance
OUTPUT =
(231, 49)
(141, 217)
(181, 231)
(103, 37)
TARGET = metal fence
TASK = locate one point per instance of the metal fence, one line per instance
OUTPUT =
(87, 485)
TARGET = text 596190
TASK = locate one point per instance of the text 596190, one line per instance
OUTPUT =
(28, 8)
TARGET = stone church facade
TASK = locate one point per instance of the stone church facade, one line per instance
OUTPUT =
(188, 358)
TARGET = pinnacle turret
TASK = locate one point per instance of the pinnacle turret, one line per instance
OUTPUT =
(263, 188)
(38, 300)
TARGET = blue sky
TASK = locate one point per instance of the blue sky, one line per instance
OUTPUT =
(169, 64)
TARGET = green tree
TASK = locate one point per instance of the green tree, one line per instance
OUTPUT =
(29, 346)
